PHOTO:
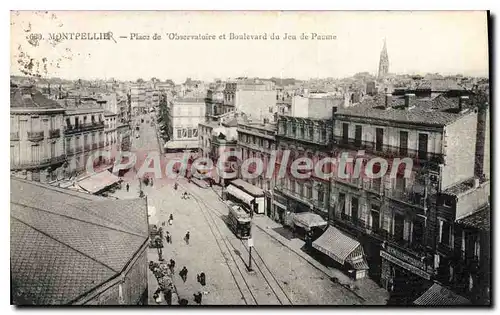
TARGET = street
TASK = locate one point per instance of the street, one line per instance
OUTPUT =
(279, 276)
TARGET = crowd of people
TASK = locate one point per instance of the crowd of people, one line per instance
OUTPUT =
(164, 273)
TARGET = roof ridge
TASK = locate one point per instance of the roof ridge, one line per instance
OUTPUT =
(55, 239)
(80, 220)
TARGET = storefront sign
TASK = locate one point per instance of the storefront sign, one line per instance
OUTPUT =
(405, 265)
(411, 260)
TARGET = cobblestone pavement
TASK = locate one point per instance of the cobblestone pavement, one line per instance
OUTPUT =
(280, 275)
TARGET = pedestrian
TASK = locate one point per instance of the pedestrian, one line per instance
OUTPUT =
(186, 238)
(168, 297)
(170, 219)
(197, 297)
(172, 265)
(128, 187)
(184, 273)
(202, 279)
(175, 186)
(183, 302)
(169, 238)
(151, 182)
(163, 224)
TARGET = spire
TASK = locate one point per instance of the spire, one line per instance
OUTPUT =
(383, 68)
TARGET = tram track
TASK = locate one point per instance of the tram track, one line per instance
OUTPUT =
(263, 269)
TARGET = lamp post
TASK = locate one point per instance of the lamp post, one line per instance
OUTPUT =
(250, 242)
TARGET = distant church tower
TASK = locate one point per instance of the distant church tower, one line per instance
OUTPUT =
(383, 67)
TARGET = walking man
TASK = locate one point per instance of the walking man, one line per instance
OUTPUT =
(169, 238)
(186, 238)
(197, 297)
(184, 273)
(128, 187)
(170, 219)
(172, 265)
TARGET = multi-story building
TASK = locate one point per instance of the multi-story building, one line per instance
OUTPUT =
(137, 99)
(217, 139)
(254, 98)
(110, 135)
(396, 217)
(36, 135)
(184, 116)
(84, 134)
(215, 100)
(302, 137)
(257, 140)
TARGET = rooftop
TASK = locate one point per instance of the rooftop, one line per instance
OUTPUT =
(65, 243)
(436, 111)
(478, 220)
(29, 97)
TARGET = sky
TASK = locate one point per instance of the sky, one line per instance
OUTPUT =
(447, 42)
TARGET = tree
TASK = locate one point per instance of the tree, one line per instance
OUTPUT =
(140, 80)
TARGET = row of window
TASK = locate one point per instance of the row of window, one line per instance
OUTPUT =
(36, 123)
(37, 153)
(187, 133)
(302, 131)
(423, 139)
(250, 139)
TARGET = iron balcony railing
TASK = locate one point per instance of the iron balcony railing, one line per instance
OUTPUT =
(35, 135)
(87, 147)
(14, 136)
(389, 150)
(37, 164)
(54, 133)
(78, 149)
(70, 129)
(408, 197)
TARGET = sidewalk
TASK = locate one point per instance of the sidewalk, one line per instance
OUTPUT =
(365, 288)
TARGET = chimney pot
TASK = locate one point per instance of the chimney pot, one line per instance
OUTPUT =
(461, 102)
(409, 100)
(388, 100)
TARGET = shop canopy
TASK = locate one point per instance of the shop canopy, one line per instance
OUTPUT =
(98, 181)
(438, 295)
(240, 194)
(308, 220)
(341, 248)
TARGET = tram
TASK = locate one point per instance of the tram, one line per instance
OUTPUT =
(239, 221)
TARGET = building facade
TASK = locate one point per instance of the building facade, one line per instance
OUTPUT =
(36, 135)
(258, 140)
(397, 217)
(83, 136)
(184, 116)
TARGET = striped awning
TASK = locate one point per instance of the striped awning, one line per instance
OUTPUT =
(340, 247)
(240, 194)
(98, 181)
(438, 295)
(308, 220)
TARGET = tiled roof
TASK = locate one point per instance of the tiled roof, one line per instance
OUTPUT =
(29, 97)
(440, 296)
(65, 243)
(439, 85)
(438, 111)
(478, 220)
(460, 188)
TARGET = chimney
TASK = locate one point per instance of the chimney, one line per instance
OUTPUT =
(476, 182)
(409, 100)
(388, 99)
(461, 102)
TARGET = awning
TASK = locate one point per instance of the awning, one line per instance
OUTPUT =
(240, 194)
(438, 295)
(340, 247)
(98, 181)
(308, 220)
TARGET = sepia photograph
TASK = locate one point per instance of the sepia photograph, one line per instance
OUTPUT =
(250, 158)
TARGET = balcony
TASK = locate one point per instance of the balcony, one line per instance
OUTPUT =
(69, 151)
(87, 147)
(373, 186)
(54, 133)
(71, 129)
(14, 136)
(38, 164)
(35, 135)
(78, 149)
(407, 197)
(388, 151)
(355, 182)
(301, 198)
